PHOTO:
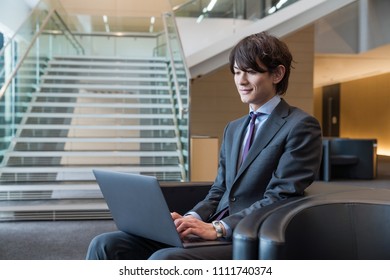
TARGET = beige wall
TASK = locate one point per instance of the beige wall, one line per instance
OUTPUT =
(365, 110)
(204, 159)
(300, 92)
(215, 101)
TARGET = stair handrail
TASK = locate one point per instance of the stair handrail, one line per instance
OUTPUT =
(178, 7)
(175, 79)
(182, 110)
(24, 56)
(71, 33)
(34, 38)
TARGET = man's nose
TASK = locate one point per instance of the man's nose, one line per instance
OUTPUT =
(242, 79)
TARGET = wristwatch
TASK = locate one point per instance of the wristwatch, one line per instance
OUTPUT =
(218, 228)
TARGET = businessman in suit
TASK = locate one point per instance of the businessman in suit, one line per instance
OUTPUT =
(283, 159)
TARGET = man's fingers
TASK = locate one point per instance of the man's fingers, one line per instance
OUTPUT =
(175, 215)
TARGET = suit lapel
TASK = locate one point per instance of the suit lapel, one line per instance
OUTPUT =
(272, 125)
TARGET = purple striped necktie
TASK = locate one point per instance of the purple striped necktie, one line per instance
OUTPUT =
(251, 134)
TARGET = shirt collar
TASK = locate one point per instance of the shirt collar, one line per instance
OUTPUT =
(268, 107)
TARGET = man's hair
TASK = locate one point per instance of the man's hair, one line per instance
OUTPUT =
(267, 49)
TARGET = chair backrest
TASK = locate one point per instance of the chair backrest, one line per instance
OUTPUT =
(348, 225)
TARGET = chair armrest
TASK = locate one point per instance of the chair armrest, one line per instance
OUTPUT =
(245, 235)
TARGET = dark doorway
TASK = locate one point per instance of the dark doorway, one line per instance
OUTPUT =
(331, 110)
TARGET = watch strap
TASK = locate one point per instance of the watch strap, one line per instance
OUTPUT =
(218, 228)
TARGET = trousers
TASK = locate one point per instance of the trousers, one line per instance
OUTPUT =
(119, 245)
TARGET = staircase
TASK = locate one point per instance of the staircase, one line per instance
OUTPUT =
(90, 113)
(25, 83)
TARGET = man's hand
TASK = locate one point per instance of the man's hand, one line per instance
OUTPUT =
(187, 225)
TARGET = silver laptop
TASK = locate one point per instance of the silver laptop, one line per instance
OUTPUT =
(138, 206)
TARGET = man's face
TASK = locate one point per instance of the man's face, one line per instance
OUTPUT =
(255, 88)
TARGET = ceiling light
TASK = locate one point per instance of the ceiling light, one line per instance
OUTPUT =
(106, 26)
(152, 21)
(211, 5)
(200, 18)
(272, 10)
(280, 4)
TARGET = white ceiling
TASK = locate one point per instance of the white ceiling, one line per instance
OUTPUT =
(128, 8)
(328, 68)
(123, 15)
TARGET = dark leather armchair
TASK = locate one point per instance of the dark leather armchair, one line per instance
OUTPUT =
(342, 225)
(246, 234)
(349, 158)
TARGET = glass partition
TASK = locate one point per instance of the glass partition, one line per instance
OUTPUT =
(235, 9)
(11, 56)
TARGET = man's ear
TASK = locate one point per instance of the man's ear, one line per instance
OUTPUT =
(278, 74)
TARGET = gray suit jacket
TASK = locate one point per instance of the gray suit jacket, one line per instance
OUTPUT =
(283, 160)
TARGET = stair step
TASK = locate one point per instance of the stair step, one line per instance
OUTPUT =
(103, 87)
(75, 116)
(82, 173)
(125, 72)
(31, 66)
(109, 64)
(103, 79)
(92, 154)
(97, 105)
(91, 140)
(28, 76)
(51, 169)
(54, 210)
(53, 205)
(106, 95)
(108, 58)
(93, 127)
(93, 187)
(24, 192)
(26, 85)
